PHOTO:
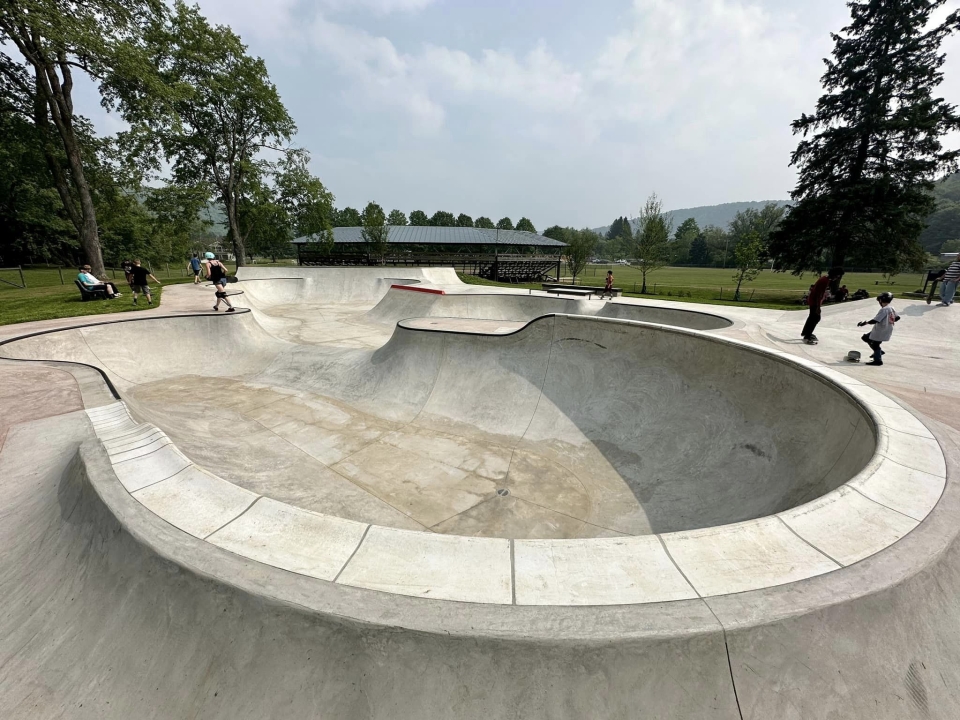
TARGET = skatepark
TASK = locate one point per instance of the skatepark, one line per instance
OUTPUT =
(382, 493)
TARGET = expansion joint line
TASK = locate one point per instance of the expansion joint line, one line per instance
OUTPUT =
(723, 630)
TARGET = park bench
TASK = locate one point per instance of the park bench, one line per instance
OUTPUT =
(577, 291)
(594, 289)
(90, 294)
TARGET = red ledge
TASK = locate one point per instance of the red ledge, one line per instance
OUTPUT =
(414, 288)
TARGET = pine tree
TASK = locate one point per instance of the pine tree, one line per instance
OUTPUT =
(871, 151)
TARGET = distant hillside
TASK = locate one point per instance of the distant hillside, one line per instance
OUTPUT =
(719, 215)
(214, 214)
(944, 223)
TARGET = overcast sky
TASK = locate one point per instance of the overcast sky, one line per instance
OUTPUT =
(565, 111)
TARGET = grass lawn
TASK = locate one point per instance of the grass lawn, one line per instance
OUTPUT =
(45, 298)
(716, 286)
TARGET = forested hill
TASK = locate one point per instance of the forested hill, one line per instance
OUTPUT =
(944, 223)
(719, 215)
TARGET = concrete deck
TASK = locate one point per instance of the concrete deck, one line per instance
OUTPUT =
(672, 480)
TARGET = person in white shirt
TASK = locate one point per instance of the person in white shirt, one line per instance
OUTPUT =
(882, 329)
(90, 282)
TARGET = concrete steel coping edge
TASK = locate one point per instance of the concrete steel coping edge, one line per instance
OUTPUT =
(852, 523)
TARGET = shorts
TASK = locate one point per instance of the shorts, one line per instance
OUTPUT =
(145, 289)
(222, 282)
(196, 273)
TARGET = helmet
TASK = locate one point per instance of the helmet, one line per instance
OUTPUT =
(885, 297)
(208, 256)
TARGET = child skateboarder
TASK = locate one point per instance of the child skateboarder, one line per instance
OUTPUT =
(217, 274)
(608, 286)
(882, 329)
(141, 277)
(818, 294)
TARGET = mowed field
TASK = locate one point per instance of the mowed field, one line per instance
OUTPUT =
(45, 298)
(717, 285)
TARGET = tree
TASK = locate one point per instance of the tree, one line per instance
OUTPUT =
(717, 241)
(419, 218)
(555, 232)
(265, 224)
(699, 253)
(580, 245)
(525, 225)
(348, 217)
(375, 231)
(871, 150)
(688, 230)
(464, 220)
(652, 238)
(761, 222)
(748, 256)
(305, 199)
(484, 222)
(218, 113)
(99, 38)
(620, 228)
(33, 223)
(441, 218)
(504, 223)
(396, 217)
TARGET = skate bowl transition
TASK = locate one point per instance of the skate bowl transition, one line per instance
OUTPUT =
(385, 494)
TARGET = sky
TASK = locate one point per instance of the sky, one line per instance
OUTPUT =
(566, 112)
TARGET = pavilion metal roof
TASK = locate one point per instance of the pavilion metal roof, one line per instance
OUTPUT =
(429, 235)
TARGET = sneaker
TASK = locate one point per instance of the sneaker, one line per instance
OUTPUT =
(215, 308)
(233, 309)
(875, 362)
(810, 340)
(942, 304)
(814, 337)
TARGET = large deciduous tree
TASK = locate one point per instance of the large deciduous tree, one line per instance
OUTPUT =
(652, 237)
(484, 222)
(419, 218)
(504, 223)
(396, 217)
(219, 111)
(871, 150)
(56, 39)
(464, 220)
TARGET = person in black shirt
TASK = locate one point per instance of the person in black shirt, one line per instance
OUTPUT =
(139, 284)
(217, 274)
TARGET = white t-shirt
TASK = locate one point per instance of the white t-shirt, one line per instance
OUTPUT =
(883, 330)
(88, 279)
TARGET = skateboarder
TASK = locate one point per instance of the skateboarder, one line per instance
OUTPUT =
(217, 274)
(817, 295)
(608, 286)
(882, 329)
(949, 279)
(195, 265)
(141, 276)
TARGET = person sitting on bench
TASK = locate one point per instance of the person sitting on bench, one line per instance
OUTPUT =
(91, 283)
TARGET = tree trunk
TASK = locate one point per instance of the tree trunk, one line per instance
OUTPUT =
(60, 101)
(234, 226)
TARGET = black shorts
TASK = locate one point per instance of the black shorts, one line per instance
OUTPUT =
(196, 273)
